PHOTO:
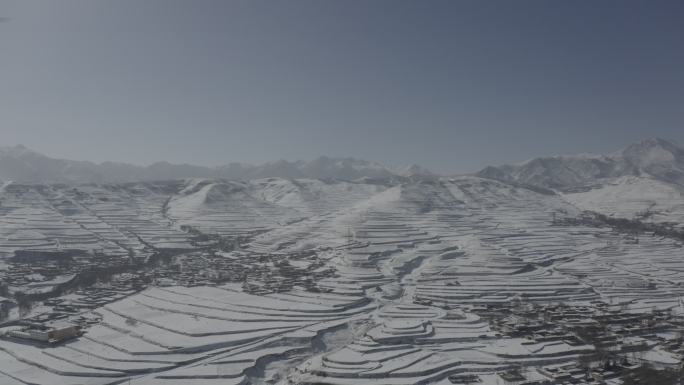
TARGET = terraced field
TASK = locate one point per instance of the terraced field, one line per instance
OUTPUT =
(425, 280)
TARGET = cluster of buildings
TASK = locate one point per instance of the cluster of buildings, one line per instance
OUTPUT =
(617, 341)
(43, 271)
(67, 316)
(282, 272)
(201, 269)
(259, 274)
(49, 333)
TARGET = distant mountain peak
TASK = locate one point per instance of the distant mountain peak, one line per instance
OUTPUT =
(655, 142)
(653, 151)
(17, 150)
(415, 170)
(659, 158)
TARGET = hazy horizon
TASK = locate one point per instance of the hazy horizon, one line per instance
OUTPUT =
(452, 86)
(395, 167)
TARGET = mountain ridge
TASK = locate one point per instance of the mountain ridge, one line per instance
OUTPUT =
(21, 164)
(655, 157)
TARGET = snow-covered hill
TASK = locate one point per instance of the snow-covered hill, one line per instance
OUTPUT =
(645, 178)
(656, 158)
(339, 282)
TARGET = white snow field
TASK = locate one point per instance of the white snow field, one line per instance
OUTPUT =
(410, 280)
(413, 262)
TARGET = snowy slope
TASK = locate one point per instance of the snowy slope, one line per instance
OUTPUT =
(630, 196)
(645, 176)
(658, 158)
(387, 291)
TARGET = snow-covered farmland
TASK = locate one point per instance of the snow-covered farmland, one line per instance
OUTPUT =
(416, 280)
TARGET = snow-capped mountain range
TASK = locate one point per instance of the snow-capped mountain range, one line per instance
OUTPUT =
(644, 179)
(21, 164)
(658, 159)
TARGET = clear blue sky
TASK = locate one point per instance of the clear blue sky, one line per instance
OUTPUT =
(452, 85)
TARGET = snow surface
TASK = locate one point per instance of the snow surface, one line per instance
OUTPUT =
(411, 261)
